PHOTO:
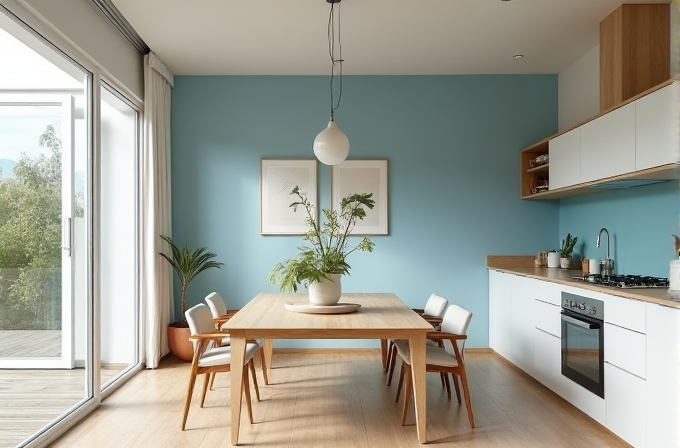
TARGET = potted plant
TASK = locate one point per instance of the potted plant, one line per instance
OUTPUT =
(322, 256)
(187, 265)
(566, 250)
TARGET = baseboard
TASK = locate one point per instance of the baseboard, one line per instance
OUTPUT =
(479, 350)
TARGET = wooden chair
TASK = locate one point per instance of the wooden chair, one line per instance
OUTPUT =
(210, 359)
(221, 315)
(433, 312)
(448, 358)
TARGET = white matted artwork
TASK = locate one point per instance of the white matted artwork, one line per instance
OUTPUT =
(363, 176)
(278, 177)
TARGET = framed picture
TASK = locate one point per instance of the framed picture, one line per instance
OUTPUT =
(363, 176)
(278, 177)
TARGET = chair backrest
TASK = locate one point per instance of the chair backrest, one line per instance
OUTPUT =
(456, 320)
(216, 303)
(200, 320)
(435, 306)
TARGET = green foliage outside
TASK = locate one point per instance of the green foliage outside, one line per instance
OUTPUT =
(30, 237)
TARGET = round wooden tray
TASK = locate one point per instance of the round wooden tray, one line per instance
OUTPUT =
(308, 308)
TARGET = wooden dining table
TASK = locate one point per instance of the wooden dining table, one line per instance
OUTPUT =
(381, 316)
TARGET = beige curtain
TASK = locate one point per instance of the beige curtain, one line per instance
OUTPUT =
(156, 273)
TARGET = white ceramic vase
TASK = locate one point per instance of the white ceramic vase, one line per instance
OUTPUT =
(326, 292)
(565, 263)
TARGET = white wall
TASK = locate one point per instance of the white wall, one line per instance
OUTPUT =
(81, 23)
(578, 90)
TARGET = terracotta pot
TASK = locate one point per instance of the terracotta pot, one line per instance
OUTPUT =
(178, 341)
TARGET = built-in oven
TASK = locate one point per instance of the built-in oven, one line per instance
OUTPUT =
(583, 341)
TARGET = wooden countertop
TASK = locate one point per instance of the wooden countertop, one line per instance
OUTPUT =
(524, 266)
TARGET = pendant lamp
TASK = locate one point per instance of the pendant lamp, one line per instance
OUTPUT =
(331, 146)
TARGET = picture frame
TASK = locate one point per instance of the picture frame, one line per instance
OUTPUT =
(278, 177)
(363, 176)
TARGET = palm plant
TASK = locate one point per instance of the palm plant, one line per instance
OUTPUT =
(324, 248)
(188, 265)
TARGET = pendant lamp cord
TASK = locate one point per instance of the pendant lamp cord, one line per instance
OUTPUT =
(331, 51)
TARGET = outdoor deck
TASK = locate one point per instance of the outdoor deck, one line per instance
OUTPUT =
(30, 399)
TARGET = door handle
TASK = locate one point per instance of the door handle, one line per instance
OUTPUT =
(66, 236)
(580, 323)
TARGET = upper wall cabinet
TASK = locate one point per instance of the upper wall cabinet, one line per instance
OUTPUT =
(565, 159)
(634, 144)
(608, 144)
(656, 124)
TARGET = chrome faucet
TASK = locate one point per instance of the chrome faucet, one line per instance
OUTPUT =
(608, 268)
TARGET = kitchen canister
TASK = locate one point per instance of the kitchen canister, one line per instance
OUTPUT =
(593, 266)
(553, 259)
(674, 279)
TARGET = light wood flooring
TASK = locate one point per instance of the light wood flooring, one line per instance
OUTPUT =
(338, 400)
(30, 399)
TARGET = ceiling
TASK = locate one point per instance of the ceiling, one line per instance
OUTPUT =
(379, 37)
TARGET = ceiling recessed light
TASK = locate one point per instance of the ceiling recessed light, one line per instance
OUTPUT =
(517, 56)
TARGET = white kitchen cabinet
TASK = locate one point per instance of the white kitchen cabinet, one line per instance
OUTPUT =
(626, 349)
(626, 313)
(626, 405)
(663, 376)
(565, 159)
(548, 361)
(608, 145)
(522, 323)
(656, 128)
(547, 318)
(499, 312)
(548, 292)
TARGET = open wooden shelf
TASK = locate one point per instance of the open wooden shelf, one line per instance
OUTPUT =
(529, 176)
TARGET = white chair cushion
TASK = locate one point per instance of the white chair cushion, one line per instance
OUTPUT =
(435, 306)
(216, 303)
(436, 356)
(220, 356)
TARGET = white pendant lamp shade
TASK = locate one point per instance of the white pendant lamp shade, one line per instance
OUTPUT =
(331, 146)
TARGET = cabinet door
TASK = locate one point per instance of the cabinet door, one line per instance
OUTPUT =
(499, 312)
(663, 376)
(656, 128)
(565, 159)
(625, 405)
(548, 361)
(522, 323)
(625, 349)
(608, 145)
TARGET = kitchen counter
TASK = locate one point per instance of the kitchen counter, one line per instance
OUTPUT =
(524, 266)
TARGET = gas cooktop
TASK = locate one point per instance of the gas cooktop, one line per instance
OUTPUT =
(625, 281)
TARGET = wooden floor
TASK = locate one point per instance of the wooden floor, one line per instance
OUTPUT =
(30, 399)
(338, 400)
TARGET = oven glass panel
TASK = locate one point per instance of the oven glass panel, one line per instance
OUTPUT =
(583, 351)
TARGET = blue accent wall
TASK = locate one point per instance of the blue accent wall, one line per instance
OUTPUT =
(453, 147)
(640, 222)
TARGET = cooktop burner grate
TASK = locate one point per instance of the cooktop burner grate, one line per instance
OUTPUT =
(626, 281)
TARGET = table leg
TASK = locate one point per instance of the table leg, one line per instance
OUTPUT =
(417, 349)
(268, 353)
(238, 352)
(383, 352)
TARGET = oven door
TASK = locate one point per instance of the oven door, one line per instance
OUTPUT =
(583, 351)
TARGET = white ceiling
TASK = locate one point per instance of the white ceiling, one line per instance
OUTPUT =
(395, 37)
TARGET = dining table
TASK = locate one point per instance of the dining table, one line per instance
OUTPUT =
(380, 316)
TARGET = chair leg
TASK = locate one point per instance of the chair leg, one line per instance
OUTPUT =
(251, 366)
(388, 355)
(448, 385)
(190, 391)
(263, 363)
(454, 377)
(441, 377)
(407, 394)
(212, 379)
(246, 391)
(401, 381)
(393, 360)
(206, 380)
(466, 392)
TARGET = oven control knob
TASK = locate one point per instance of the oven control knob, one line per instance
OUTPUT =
(581, 306)
(592, 310)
